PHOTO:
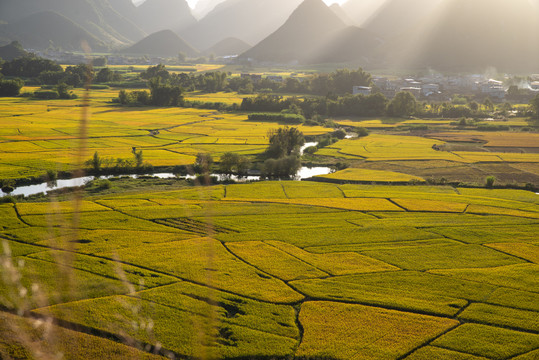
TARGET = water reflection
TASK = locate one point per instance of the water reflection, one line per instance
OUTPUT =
(303, 173)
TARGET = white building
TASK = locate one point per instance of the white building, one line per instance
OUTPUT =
(493, 88)
(430, 89)
(361, 90)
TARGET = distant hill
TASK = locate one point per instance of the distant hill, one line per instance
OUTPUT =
(473, 35)
(95, 16)
(301, 36)
(339, 11)
(397, 16)
(203, 7)
(12, 51)
(351, 44)
(39, 31)
(248, 20)
(162, 43)
(156, 15)
(361, 10)
(228, 46)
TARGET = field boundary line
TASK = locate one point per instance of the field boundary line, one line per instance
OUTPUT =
(203, 315)
(428, 342)
(303, 261)
(257, 268)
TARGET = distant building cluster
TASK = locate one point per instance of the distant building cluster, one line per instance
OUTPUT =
(442, 88)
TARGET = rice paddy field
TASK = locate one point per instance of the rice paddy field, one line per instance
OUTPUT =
(274, 270)
(368, 262)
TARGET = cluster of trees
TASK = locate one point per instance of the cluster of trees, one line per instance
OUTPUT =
(232, 163)
(48, 72)
(535, 108)
(283, 153)
(160, 94)
(347, 105)
(277, 117)
(98, 165)
(339, 82)
(210, 82)
(10, 87)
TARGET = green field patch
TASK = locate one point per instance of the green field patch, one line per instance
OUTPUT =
(107, 268)
(261, 190)
(21, 339)
(207, 261)
(515, 299)
(501, 316)
(430, 205)
(57, 208)
(125, 203)
(343, 331)
(297, 190)
(186, 333)
(507, 194)
(12, 248)
(335, 263)
(34, 283)
(335, 232)
(9, 218)
(532, 355)
(110, 220)
(379, 245)
(433, 352)
(523, 250)
(354, 204)
(274, 261)
(226, 308)
(424, 283)
(443, 257)
(489, 234)
(428, 220)
(96, 241)
(353, 174)
(488, 341)
(519, 276)
(351, 289)
(316, 218)
(481, 209)
(36, 234)
(203, 193)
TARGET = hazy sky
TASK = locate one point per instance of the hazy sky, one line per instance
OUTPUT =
(192, 3)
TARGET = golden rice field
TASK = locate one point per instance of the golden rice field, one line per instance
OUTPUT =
(274, 270)
(36, 136)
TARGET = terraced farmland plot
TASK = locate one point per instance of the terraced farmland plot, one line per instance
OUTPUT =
(277, 269)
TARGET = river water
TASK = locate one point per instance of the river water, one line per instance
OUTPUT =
(303, 173)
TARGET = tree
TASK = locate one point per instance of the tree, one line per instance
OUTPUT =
(284, 142)
(165, 94)
(11, 87)
(156, 71)
(203, 163)
(490, 182)
(404, 104)
(489, 105)
(95, 163)
(231, 163)
(535, 106)
(139, 158)
(182, 57)
(63, 91)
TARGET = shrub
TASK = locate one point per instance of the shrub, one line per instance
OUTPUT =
(490, 182)
(46, 94)
(11, 87)
(274, 117)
